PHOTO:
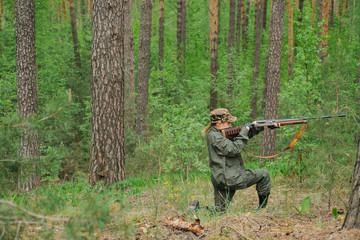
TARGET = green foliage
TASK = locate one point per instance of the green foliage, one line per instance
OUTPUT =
(335, 212)
(304, 205)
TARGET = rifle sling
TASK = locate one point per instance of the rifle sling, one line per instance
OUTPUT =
(290, 146)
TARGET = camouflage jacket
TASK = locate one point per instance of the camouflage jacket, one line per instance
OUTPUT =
(226, 164)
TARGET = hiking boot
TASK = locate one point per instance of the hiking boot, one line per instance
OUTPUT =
(194, 205)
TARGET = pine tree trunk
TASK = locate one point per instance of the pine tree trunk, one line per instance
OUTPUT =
(27, 100)
(313, 11)
(64, 10)
(143, 65)
(301, 10)
(324, 28)
(257, 56)
(238, 25)
(161, 36)
(352, 218)
(129, 67)
(2, 15)
(291, 36)
(181, 35)
(231, 45)
(74, 34)
(90, 7)
(273, 73)
(107, 147)
(332, 13)
(245, 17)
(264, 20)
(213, 20)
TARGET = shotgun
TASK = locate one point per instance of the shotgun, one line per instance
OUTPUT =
(232, 132)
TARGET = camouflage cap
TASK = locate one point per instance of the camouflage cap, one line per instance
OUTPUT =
(221, 114)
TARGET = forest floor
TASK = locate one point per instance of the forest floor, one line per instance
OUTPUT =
(144, 213)
(280, 220)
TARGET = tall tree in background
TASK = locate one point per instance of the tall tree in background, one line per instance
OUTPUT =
(245, 23)
(27, 99)
(74, 34)
(352, 218)
(161, 36)
(2, 15)
(143, 65)
(264, 12)
(213, 20)
(332, 13)
(231, 45)
(313, 11)
(324, 28)
(107, 148)
(257, 51)
(181, 35)
(238, 25)
(291, 36)
(272, 74)
(129, 67)
(64, 9)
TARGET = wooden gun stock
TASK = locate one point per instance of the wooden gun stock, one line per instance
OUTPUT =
(232, 132)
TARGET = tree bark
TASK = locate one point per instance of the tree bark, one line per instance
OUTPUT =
(332, 13)
(143, 65)
(181, 35)
(301, 10)
(90, 7)
(264, 20)
(273, 73)
(257, 56)
(231, 45)
(291, 35)
(27, 100)
(245, 21)
(238, 25)
(324, 28)
(161, 36)
(213, 19)
(129, 67)
(74, 34)
(313, 11)
(107, 147)
(64, 10)
(352, 218)
(2, 15)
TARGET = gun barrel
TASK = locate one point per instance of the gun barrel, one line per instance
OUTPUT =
(289, 121)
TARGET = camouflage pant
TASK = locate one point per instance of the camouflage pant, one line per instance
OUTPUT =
(260, 177)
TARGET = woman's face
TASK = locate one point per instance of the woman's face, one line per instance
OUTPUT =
(222, 125)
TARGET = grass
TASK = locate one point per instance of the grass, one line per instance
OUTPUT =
(139, 208)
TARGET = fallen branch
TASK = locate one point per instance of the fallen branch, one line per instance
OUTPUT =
(179, 223)
(50, 116)
(12, 204)
(236, 230)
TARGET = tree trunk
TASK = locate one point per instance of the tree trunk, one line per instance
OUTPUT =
(90, 7)
(273, 73)
(291, 36)
(264, 20)
(332, 13)
(181, 35)
(245, 21)
(324, 28)
(74, 34)
(352, 218)
(257, 56)
(313, 11)
(64, 10)
(231, 45)
(27, 100)
(301, 10)
(143, 65)
(213, 19)
(129, 67)
(107, 147)
(161, 36)
(2, 15)
(238, 25)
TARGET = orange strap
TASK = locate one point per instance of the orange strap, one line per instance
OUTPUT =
(290, 146)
